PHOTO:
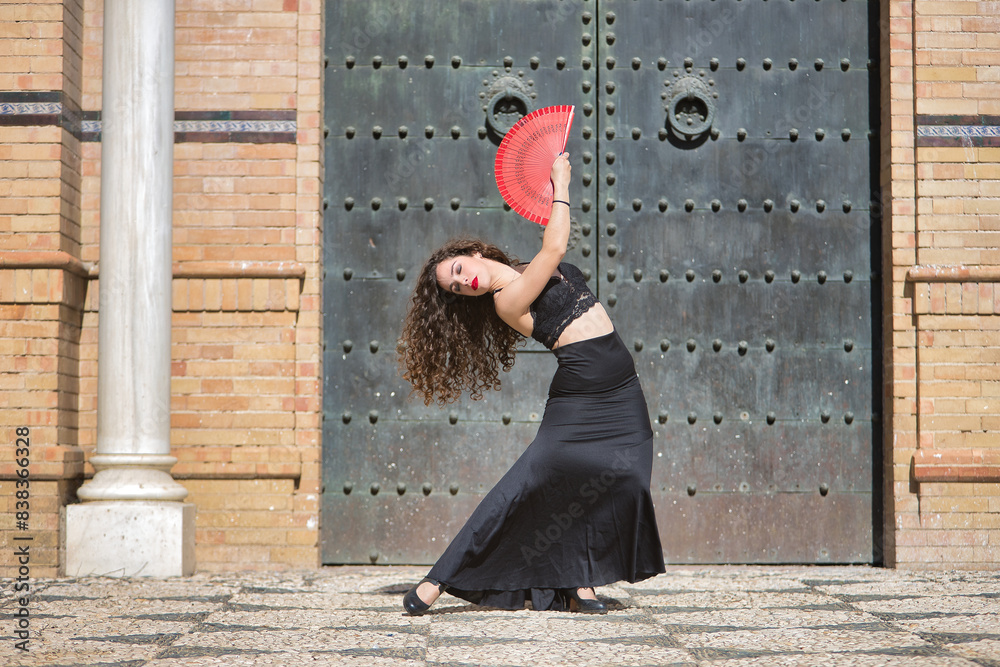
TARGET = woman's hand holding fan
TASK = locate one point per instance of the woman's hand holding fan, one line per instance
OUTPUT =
(524, 160)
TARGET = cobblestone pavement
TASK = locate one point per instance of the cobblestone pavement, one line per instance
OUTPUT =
(719, 616)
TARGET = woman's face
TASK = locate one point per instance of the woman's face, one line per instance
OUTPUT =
(467, 275)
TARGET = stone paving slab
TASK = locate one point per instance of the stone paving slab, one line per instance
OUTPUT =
(717, 617)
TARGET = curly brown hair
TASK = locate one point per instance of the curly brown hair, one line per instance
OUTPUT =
(453, 343)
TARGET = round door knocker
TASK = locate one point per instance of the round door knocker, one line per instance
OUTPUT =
(506, 108)
(691, 109)
(507, 99)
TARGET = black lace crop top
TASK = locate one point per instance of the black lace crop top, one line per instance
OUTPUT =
(564, 299)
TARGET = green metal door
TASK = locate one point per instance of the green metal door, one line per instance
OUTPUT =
(722, 167)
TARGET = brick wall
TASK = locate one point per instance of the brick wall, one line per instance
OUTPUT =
(245, 340)
(42, 281)
(247, 237)
(945, 320)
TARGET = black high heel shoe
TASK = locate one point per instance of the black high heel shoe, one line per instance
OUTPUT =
(585, 606)
(412, 603)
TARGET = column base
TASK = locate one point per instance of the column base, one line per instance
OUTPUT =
(132, 477)
(129, 539)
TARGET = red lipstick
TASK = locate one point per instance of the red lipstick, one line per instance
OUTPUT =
(475, 283)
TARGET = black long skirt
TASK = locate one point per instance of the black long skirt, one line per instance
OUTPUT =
(575, 508)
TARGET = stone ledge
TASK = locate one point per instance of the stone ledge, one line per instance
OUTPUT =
(240, 269)
(222, 463)
(236, 286)
(956, 465)
(222, 471)
(953, 274)
(59, 259)
(47, 259)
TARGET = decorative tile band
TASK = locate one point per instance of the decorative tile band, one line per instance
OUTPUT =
(19, 108)
(959, 131)
(38, 108)
(234, 126)
(30, 108)
(258, 127)
(215, 131)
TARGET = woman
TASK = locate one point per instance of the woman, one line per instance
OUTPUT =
(574, 512)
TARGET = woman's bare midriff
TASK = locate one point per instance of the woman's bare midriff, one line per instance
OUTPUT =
(595, 322)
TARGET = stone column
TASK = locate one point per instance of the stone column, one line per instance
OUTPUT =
(131, 522)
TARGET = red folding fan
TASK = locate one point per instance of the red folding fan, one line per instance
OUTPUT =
(525, 159)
